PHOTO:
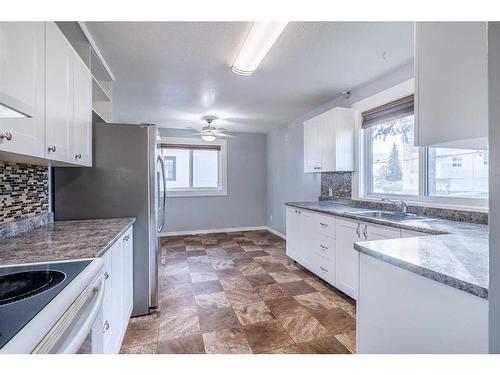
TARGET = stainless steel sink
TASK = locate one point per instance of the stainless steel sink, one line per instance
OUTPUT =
(390, 215)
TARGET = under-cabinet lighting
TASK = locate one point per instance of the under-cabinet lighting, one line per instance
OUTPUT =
(259, 41)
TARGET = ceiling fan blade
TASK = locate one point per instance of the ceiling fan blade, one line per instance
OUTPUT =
(224, 135)
(196, 134)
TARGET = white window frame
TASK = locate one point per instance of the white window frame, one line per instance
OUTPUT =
(221, 190)
(361, 179)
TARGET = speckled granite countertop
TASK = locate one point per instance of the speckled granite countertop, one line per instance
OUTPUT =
(456, 254)
(63, 240)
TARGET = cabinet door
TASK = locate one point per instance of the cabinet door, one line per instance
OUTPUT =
(347, 259)
(379, 232)
(128, 276)
(107, 304)
(451, 84)
(82, 125)
(59, 95)
(293, 233)
(117, 295)
(312, 153)
(22, 73)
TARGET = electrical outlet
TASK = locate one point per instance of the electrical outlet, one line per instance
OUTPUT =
(330, 192)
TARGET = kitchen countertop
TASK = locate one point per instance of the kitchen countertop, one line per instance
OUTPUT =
(456, 253)
(63, 240)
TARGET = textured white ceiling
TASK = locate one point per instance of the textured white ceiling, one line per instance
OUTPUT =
(173, 73)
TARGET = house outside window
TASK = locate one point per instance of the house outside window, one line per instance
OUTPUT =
(393, 166)
(194, 167)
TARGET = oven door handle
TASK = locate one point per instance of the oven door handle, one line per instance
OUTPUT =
(73, 346)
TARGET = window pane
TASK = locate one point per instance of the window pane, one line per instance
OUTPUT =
(394, 158)
(205, 168)
(458, 173)
(177, 167)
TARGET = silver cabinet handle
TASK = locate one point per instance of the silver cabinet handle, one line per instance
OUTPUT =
(106, 275)
(323, 225)
(52, 148)
(323, 269)
(7, 136)
(323, 247)
(357, 230)
(127, 237)
(78, 156)
(364, 232)
(105, 327)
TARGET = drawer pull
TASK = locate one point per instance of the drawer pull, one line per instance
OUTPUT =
(127, 237)
(323, 269)
(324, 247)
(7, 136)
(106, 326)
(106, 275)
(323, 225)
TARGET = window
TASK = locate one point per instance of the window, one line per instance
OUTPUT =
(395, 167)
(194, 167)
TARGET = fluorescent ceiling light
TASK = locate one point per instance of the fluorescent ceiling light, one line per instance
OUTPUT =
(8, 112)
(259, 41)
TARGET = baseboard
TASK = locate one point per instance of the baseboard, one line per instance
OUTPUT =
(274, 231)
(216, 230)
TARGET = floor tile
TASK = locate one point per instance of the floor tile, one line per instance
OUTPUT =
(141, 349)
(141, 333)
(348, 339)
(176, 291)
(297, 287)
(253, 313)
(315, 301)
(284, 306)
(216, 288)
(260, 280)
(335, 320)
(174, 325)
(201, 276)
(251, 268)
(212, 300)
(217, 319)
(271, 291)
(192, 344)
(206, 287)
(235, 282)
(325, 345)
(239, 297)
(284, 277)
(302, 326)
(226, 341)
(266, 336)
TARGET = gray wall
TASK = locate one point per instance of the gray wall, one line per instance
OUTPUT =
(245, 203)
(286, 180)
(494, 189)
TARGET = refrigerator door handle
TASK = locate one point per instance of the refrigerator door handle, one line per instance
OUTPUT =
(164, 198)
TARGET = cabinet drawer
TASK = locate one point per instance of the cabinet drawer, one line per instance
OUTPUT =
(321, 224)
(325, 247)
(324, 268)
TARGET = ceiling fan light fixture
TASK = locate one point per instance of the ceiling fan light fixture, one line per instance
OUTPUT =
(259, 41)
(208, 137)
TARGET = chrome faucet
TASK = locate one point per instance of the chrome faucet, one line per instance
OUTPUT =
(400, 203)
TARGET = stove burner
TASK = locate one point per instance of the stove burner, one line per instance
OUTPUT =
(20, 285)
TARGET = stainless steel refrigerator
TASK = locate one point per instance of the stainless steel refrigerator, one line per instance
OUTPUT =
(126, 180)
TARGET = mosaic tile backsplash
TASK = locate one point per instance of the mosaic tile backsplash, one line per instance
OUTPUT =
(339, 182)
(24, 191)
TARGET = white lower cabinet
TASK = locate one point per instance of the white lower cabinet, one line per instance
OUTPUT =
(324, 244)
(117, 303)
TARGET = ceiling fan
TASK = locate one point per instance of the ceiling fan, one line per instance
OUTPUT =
(210, 133)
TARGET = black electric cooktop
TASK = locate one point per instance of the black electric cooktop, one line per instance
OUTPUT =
(26, 290)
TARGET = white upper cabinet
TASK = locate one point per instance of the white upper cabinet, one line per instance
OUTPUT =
(329, 141)
(22, 73)
(81, 145)
(58, 95)
(451, 84)
(68, 102)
